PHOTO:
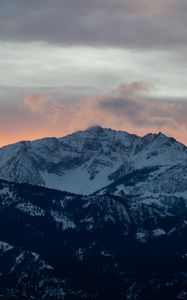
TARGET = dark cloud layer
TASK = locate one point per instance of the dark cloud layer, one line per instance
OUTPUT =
(132, 103)
(119, 23)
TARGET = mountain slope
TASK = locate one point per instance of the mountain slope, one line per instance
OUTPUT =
(24, 274)
(91, 247)
(89, 160)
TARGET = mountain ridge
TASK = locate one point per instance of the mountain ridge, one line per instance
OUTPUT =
(91, 129)
(87, 161)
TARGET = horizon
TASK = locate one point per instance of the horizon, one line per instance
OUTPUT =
(83, 130)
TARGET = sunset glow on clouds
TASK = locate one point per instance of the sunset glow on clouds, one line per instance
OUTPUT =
(128, 107)
(66, 65)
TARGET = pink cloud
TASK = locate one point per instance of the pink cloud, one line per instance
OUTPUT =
(37, 102)
(129, 107)
(41, 104)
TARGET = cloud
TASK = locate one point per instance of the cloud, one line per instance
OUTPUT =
(45, 106)
(120, 23)
(40, 104)
(129, 107)
(135, 106)
(135, 87)
(152, 30)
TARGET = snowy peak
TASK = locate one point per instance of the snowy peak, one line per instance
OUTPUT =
(100, 132)
(95, 130)
(155, 149)
(87, 161)
(160, 140)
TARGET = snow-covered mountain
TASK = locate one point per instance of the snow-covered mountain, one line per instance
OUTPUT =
(87, 161)
(125, 238)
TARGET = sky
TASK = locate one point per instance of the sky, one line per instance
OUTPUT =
(66, 65)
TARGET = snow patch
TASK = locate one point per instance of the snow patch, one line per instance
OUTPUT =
(4, 247)
(62, 220)
(31, 209)
(158, 232)
(141, 236)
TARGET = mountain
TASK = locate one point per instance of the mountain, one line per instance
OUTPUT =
(98, 214)
(58, 245)
(87, 161)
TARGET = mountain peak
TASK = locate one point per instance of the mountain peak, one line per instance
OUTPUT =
(95, 129)
(99, 130)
